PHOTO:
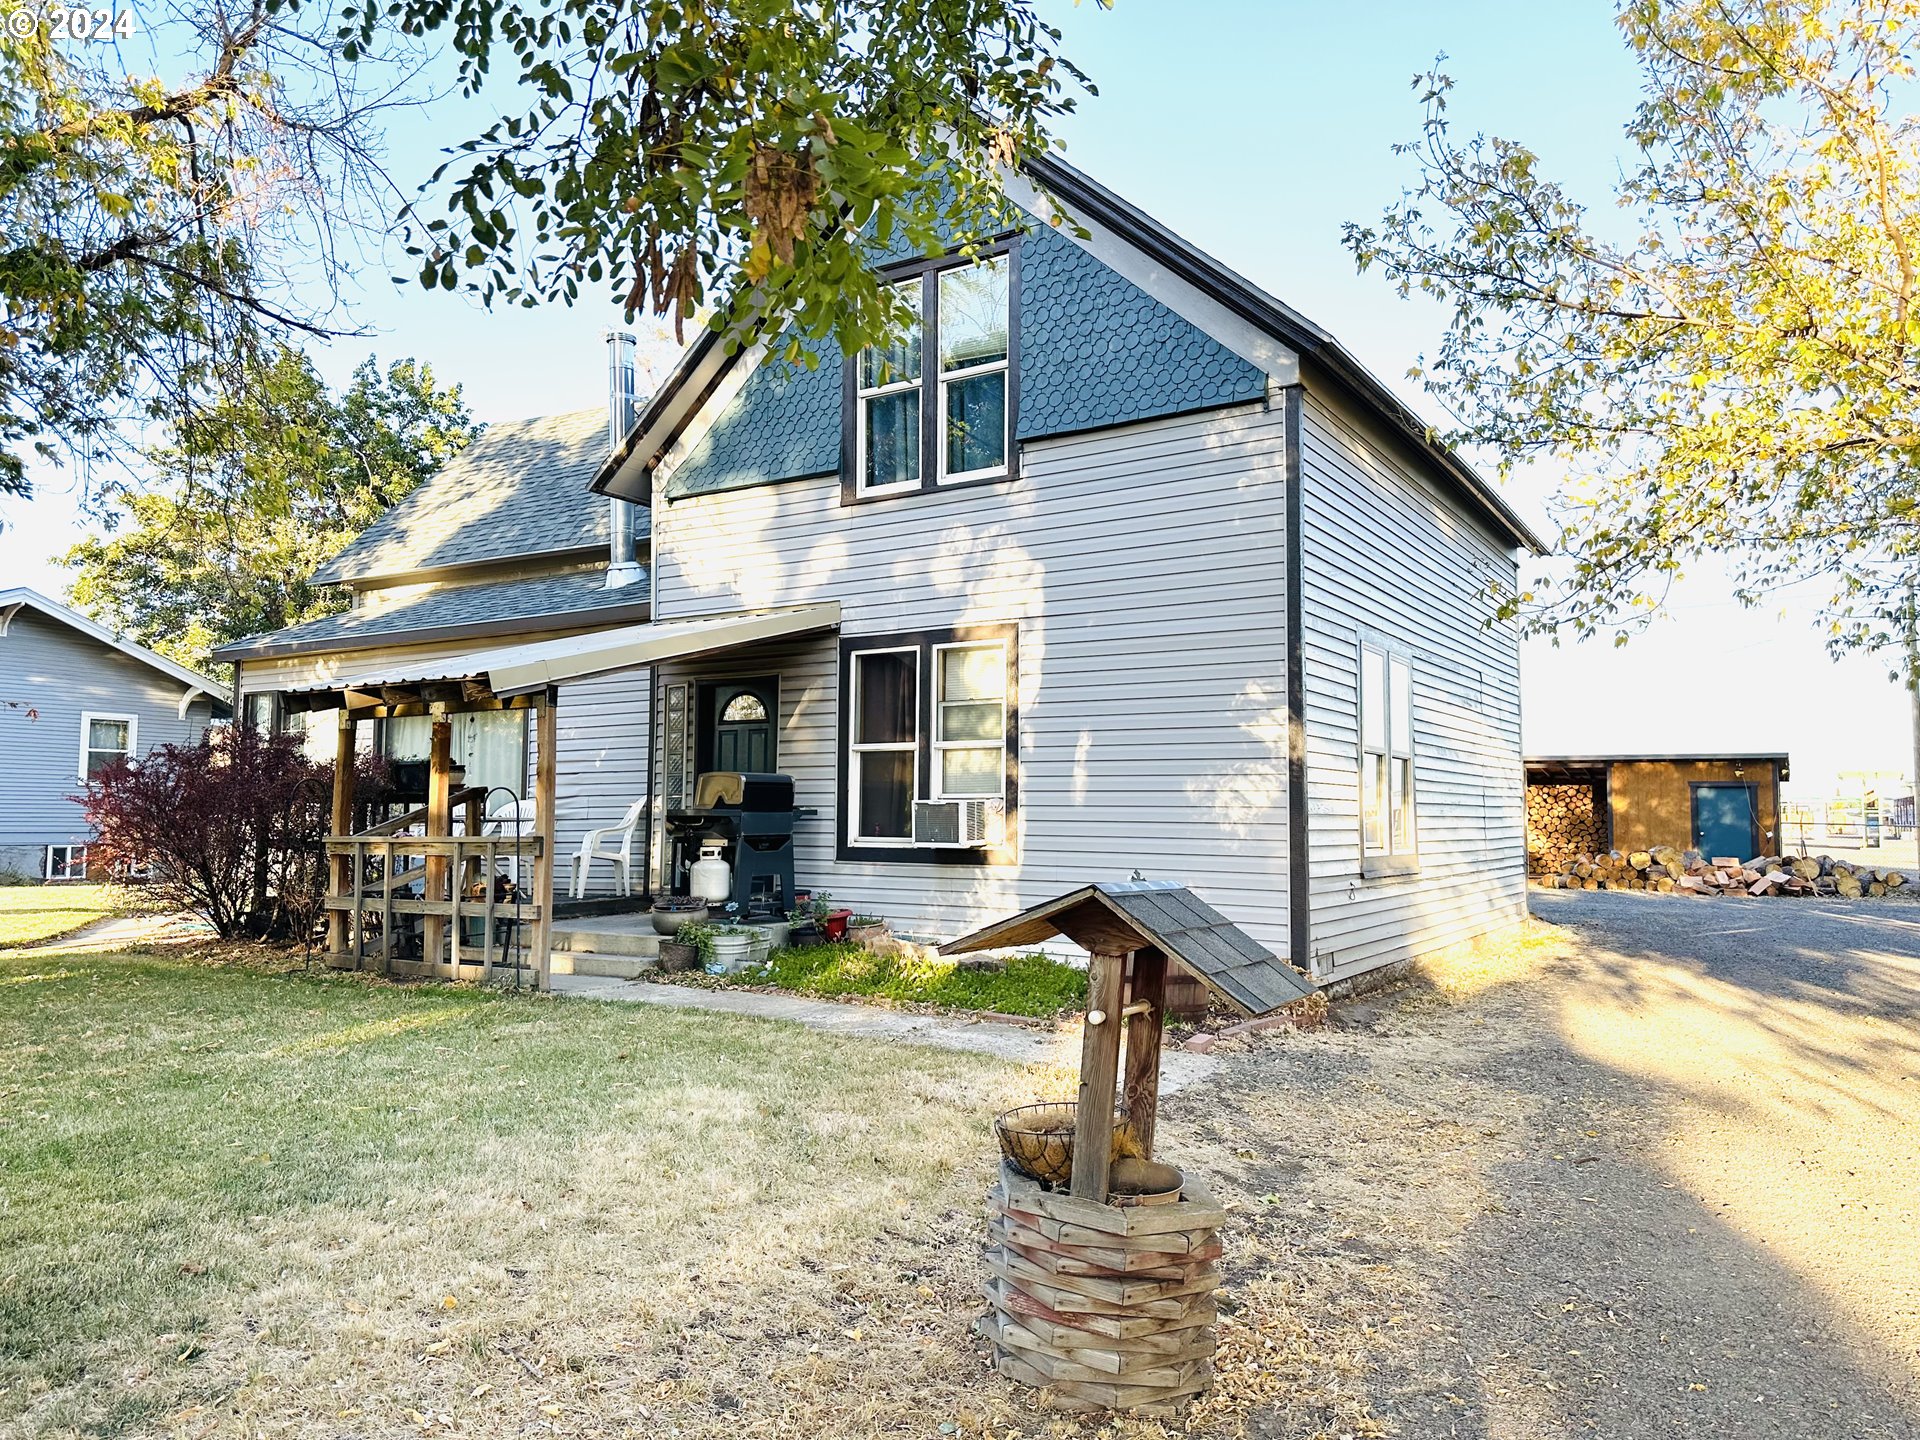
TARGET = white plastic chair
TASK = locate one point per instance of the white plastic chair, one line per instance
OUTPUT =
(613, 843)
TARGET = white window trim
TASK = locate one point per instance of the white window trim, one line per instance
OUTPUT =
(70, 877)
(87, 717)
(1376, 862)
(942, 476)
(940, 744)
(856, 749)
(864, 393)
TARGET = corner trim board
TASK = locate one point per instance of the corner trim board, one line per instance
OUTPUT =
(1299, 854)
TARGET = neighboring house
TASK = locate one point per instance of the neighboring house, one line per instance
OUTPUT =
(1717, 804)
(1116, 564)
(73, 697)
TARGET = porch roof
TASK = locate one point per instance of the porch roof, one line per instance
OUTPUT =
(507, 671)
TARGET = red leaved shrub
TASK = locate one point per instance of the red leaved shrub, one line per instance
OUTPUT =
(232, 827)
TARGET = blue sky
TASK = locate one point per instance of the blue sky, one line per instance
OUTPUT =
(1257, 131)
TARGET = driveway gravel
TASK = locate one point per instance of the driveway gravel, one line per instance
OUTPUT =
(1652, 1175)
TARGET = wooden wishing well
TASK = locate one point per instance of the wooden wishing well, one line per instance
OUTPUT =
(1104, 1305)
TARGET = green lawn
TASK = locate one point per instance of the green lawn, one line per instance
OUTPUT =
(1029, 985)
(35, 914)
(236, 1202)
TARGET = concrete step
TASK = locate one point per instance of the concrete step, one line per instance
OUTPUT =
(613, 967)
(607, 940)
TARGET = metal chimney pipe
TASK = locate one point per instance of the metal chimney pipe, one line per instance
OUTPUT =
(622, 568)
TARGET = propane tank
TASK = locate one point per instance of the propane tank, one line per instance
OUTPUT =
(710, 878)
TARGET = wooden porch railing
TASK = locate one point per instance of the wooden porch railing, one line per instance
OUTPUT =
(379, 864)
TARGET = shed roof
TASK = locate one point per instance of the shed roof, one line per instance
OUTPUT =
(1158, 915)
(1746, 757)
(458, 612)
(519, 490)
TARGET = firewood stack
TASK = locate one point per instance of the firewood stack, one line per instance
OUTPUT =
(1564, 824)
(1667, 871)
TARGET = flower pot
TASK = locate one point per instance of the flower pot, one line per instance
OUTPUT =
(671, 913)
(678, 955)
(868, 935)
(834, 926)
(731, 954)
(807, 934)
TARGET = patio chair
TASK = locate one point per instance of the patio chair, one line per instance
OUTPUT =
(613, 843)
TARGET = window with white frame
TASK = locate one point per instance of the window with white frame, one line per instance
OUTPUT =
(1387, 829)
(66, 862)
(883, 746)
(970, 721)
(105, 739)
(935, 406)
(929, 757)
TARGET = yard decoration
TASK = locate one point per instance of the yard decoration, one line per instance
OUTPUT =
(1101, 1295)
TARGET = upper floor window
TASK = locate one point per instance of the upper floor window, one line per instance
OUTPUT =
(1387, 835)
(936, 406)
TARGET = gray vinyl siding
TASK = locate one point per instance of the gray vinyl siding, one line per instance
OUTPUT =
(1145, 568)
(50, 675)
(601, 768)
(1385, 553)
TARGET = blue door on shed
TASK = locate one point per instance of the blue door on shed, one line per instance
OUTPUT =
(1723, 820)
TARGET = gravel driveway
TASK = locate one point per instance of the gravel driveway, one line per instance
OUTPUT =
(1655, 1176)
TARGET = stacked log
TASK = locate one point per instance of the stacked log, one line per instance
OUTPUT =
(1664, 870)
(1102, 1306)
(1564, 823)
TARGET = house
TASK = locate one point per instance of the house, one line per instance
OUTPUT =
(1116, 564)
(73, 697)
(1716, 804)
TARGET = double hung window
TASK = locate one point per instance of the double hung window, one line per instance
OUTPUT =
(1388, 840)
(935, 406)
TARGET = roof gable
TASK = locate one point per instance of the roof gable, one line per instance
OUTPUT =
(519, 490)
(1246, 321)
(21, 597)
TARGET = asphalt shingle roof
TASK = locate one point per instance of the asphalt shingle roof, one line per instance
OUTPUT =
(501, 607)
(519, 490)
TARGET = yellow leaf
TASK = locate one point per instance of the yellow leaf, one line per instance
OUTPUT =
(449, 1303)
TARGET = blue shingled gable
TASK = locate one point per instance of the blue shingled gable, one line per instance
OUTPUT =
(1095, 351)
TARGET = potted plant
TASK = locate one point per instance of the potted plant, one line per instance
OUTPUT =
(866, 929)
(735, 948)
(805, 917)
(691, 947)
(670, 912)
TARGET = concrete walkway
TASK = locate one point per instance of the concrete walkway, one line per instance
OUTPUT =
(1023, 1044)
(124, 932)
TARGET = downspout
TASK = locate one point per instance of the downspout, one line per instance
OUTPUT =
(623, 568)
(1299, 823)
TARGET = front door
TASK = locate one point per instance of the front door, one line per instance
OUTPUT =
(737, 723)
(1723, 820)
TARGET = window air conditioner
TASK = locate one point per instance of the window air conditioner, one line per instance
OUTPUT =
(959, 824)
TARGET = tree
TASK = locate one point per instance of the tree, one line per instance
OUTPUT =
(253, 492)
(162, 231)
(232, 827)
(1728, 368)
(730, 154)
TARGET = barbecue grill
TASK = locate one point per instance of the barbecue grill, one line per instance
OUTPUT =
(751, 817)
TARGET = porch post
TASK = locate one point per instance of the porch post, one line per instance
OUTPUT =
(341, 923)
(433, 928)
(1099, 1069)
(547, 741)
